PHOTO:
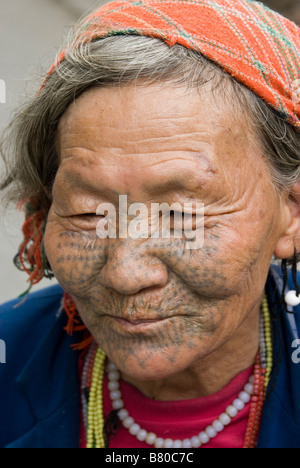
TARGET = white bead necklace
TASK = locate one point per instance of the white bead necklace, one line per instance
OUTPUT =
(152, 439)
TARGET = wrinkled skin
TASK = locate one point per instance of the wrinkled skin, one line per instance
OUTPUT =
(204, 303)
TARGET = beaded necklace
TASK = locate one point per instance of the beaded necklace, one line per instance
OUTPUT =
(254, 391)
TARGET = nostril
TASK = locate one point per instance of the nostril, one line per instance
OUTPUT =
(128, 278)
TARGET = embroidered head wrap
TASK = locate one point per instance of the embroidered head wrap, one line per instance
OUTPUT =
(257, 46)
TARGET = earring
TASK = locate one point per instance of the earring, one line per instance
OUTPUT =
(292, 298)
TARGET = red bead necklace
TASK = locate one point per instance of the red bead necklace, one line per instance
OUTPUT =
(257, 403)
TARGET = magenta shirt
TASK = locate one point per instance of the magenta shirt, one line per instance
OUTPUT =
(179, 419)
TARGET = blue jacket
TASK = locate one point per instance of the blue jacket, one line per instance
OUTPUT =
(39, 387)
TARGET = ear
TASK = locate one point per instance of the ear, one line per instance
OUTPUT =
(290, 239)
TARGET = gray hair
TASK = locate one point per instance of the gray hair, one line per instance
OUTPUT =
(29, 150)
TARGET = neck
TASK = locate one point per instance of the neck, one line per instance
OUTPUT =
(210, 374)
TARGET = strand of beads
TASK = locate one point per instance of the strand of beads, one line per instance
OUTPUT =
(86, 381)
(95, 437)
(268, 341)
(194, 442)
(262, 373)
(257, 402)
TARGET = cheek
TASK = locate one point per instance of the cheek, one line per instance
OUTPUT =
(76, 259)
(230, 255)
(203, 271)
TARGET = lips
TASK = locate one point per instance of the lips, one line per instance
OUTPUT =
(132, 321)
(136, 324)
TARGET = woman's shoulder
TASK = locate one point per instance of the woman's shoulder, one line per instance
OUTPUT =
(38, 359)
(18, 312)
(24, 321)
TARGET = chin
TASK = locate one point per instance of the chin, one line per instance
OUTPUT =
(151, 367)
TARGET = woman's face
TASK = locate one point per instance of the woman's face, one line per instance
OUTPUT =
(154, 306)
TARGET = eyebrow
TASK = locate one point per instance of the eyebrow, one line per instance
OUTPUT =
(74, 179)
(170, 185)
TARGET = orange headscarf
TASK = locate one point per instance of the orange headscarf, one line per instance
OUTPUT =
(257, 46)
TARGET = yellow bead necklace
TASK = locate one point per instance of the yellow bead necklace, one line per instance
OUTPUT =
(95, 435)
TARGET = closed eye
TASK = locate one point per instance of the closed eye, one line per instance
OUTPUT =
(84, 221)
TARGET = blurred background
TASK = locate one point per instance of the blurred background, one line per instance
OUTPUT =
(31, 32)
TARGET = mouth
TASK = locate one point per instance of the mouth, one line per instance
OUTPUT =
(137, 324)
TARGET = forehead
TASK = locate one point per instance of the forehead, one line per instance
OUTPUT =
(160, 128)
(145, 108)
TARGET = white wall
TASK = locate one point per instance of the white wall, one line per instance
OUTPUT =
(31, 32)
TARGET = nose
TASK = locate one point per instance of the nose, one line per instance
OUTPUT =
(129, 269)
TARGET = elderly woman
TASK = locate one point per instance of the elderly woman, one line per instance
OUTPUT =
(165, 342)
